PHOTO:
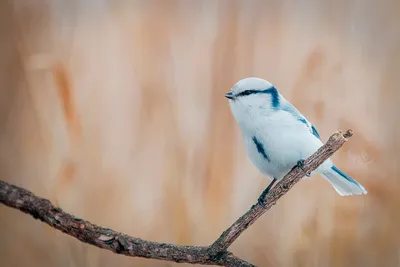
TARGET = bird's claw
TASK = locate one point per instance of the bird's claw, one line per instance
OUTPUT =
(265, 193)
(300, 164)
(262, 197)
(261, 201)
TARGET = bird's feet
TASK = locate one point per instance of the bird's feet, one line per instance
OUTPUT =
(300, 164)
(265, 193)
(261, 198)
(261, 201)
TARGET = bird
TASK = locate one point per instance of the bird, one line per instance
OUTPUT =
(277, 137)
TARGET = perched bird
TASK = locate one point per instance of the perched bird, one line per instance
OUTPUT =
(278, 137)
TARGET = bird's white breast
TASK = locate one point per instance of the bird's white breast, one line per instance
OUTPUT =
(285, 140)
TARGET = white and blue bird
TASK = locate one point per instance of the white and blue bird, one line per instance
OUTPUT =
(278, 137)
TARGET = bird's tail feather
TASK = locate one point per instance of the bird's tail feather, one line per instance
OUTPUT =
(343, 184)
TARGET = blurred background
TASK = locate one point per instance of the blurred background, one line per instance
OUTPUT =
(115, 111)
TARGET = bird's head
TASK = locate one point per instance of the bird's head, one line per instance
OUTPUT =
(251, 97)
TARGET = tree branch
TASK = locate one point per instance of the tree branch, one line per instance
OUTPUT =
(216, 254)
(105, 238)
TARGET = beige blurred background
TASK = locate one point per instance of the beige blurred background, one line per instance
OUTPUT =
(115, 111)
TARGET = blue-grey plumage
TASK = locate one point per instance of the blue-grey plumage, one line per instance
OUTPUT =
(277, 135)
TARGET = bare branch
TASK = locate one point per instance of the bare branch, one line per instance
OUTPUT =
(105, 238)
(216, 254)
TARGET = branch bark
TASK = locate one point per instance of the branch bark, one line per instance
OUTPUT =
(216, 254)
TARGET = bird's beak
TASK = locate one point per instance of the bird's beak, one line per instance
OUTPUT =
(229, 95)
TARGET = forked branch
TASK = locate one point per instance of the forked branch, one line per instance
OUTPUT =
(216, 254)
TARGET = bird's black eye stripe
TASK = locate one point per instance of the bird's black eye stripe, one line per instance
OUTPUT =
(247, 92)
(271, 90)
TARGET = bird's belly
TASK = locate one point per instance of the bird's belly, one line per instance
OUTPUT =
(284, 150)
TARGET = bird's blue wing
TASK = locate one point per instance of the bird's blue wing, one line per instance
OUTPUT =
(315, 132)
(295, 113)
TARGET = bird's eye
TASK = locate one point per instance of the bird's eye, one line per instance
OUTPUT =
(246, 92)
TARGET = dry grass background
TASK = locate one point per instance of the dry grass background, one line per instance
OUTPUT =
(115, 111)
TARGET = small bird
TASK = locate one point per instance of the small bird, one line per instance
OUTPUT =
(278, 137)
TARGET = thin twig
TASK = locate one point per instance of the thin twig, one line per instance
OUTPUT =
(216, 254)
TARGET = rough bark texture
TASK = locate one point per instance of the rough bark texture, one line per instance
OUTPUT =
(216, 254)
